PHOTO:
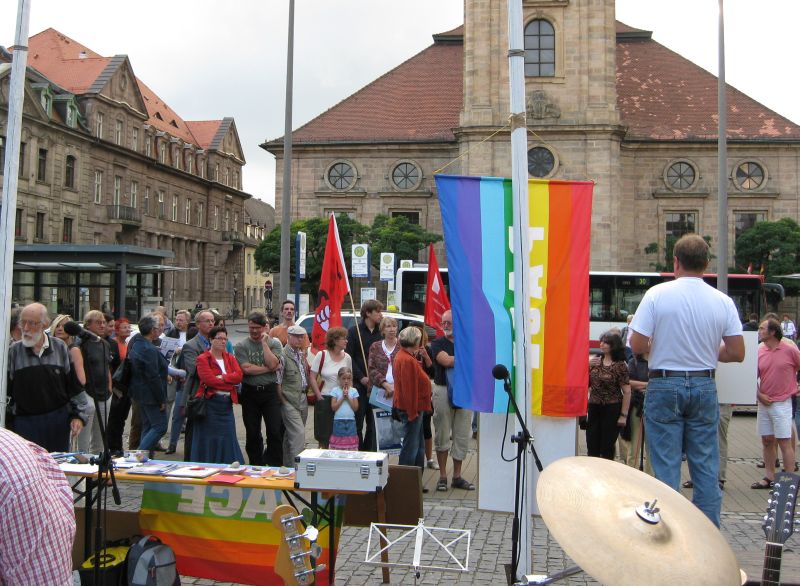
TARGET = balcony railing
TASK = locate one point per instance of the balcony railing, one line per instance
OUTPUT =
(233, 236)
(124, 214)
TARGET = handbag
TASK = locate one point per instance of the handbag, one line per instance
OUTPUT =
(196, 406)
(121, 379)
(311, 396)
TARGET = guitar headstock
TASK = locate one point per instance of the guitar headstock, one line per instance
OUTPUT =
(779, 521)
(293, 562)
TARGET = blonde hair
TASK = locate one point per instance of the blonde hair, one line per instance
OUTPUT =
(60, 320)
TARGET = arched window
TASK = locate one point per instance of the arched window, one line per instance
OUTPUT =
(540, 49)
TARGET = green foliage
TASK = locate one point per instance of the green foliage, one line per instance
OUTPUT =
(268, 252)
(775, 246)
(386, 234)
(398, 235)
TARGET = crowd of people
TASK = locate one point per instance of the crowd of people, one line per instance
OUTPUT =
(184, 377)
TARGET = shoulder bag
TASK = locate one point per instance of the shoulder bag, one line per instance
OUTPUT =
(311, 397)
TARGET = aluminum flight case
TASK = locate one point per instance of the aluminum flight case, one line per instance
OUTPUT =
(341, 470)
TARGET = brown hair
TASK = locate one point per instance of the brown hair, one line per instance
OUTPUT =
(369, 306)
(774, 327)
(692, 252)
(333, 335)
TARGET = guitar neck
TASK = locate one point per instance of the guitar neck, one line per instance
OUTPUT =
(771, 576)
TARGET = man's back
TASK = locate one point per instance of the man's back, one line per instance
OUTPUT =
(686, 319)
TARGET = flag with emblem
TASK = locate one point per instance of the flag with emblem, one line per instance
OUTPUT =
(333, 287)
(436, 300)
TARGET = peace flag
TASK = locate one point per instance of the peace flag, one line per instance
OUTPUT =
(477, 219)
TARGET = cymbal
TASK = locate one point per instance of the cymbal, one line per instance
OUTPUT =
(590, 506)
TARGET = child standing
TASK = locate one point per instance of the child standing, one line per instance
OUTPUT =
(344, 402)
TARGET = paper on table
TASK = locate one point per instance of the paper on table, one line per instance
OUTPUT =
(226, 479)
(193, 472)
(79, 468)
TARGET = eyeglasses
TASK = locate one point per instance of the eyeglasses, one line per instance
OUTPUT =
(221, 339)
(29, 323)
(447, 323)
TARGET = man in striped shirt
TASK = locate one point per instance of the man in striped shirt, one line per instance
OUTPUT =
(37, 518)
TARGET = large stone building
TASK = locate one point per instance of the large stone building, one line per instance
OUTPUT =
(605, 102)
(105, 161)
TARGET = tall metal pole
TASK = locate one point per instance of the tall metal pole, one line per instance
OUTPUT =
(286, 200)
(10, 180)
(519, 181)
(722, 163)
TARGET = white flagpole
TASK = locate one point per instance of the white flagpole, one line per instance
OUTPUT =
(10, 178)
(722, 164)
(521, 248)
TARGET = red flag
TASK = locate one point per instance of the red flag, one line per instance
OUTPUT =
(333, 286)
(436, 301)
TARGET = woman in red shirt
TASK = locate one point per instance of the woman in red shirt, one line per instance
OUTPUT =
(214, 436)
(412, 397)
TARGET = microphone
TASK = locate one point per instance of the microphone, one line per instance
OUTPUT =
(500, 372)
(75, 329)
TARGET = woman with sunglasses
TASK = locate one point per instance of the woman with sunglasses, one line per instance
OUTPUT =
(214, 435)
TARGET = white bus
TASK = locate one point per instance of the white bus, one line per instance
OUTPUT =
(613, 295)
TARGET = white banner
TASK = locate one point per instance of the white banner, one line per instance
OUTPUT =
(359, 263)
(387, 266)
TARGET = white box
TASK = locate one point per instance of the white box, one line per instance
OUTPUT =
(341, 470)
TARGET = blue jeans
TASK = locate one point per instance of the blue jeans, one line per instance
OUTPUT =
(412, 452)
(682, 414)
(177, 420)
(154, 425)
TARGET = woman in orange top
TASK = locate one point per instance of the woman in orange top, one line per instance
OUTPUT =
(214, 436)
(412, 397)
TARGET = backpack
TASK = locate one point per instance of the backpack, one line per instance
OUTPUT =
(151, 563)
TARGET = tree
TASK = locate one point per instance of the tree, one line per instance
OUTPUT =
(398, 235)
(770, 247)
(268, 252)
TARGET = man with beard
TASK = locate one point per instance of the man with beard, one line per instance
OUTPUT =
(48, 404)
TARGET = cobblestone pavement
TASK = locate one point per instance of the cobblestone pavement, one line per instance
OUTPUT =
(491, 532)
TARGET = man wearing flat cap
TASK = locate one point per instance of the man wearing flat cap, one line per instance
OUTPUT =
(292, 384)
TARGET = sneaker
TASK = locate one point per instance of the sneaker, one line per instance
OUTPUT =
(433, 464)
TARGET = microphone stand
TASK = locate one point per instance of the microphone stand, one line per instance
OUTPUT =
(523, 439)
(105, 468)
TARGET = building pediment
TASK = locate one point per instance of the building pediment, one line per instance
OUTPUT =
(118, 83)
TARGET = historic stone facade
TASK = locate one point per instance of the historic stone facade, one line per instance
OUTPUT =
(604, 102)
(106, 161)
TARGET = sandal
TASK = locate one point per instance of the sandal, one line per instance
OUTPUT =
(688, 484)
(461, 483)
(441, 486)
(763, 484)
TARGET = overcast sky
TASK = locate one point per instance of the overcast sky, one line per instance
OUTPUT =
(209, 59)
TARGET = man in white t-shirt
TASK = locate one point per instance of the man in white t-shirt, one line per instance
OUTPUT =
(687, 326)
(788, 328)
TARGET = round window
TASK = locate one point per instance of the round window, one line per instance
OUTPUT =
(749, 175)
(341, 175)
(541, 162)
(405, 175)
(680, 175)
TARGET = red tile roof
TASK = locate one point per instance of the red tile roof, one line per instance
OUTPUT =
(663, 96)
(419, 100)
(204, 131)
(60, 59)
(660, 95)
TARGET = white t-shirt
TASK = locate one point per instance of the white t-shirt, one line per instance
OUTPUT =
(330, 369)
(221, 363)
(345, 411)
(686, 320)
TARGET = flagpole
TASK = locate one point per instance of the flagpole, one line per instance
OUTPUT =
(519, 181)
(11, 168)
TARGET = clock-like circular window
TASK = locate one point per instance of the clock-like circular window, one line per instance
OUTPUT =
(541, 162)
(680, 175)
(749, 175)
(405, 175)
(341, 175)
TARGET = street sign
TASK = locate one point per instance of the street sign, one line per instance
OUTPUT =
(387, 266)
(368, 293)
(360, 260)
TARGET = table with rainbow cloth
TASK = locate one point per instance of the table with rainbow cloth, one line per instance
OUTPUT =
(220, 525)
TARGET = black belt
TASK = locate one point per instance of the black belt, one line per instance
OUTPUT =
(709, 373)
(257, 387)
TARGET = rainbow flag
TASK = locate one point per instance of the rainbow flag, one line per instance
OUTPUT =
(477, 219)
(222, 532)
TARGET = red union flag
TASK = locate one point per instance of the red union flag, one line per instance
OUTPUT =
(436, 301)
(333, 286)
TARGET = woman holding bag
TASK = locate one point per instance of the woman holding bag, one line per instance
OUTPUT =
(324, 378)
(214, 434)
